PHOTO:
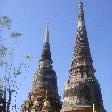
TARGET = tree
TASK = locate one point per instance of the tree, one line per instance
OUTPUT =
(8, 71)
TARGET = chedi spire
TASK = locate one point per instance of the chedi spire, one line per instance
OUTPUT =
(47, 34)
(45, 80)
(82, 55)
(82, 89)
(46, 53)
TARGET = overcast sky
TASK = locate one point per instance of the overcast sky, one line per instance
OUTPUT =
(30, 17)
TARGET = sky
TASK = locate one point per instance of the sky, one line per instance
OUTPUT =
(30, 17)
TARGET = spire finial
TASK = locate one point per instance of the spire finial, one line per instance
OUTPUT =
(81, 21)
(47, 34)
(81, 4)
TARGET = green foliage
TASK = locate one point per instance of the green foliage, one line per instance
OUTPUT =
(5, 21)
(15, 34)
(8, 70)
(26, 104)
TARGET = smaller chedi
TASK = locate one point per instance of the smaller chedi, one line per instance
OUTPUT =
(44, 95)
